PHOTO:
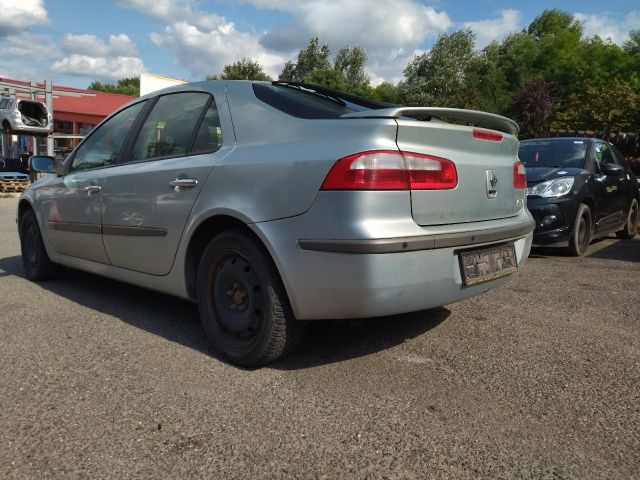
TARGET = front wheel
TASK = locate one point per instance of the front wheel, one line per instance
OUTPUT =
(35, 259)
(243, 305)
(581, 233)
(629, 230)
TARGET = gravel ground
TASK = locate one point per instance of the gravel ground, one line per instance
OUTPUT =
(539, 379)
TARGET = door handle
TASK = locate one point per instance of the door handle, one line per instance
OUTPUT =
(180, 183)
(92, 189)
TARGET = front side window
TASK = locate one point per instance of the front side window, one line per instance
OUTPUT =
(169, 128)
(103, 146)
(602, 155)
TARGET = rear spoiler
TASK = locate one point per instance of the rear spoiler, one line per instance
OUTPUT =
(483, 119)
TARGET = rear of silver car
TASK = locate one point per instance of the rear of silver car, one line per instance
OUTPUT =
(390, 231)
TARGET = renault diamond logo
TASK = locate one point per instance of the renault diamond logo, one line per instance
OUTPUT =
(492, 184)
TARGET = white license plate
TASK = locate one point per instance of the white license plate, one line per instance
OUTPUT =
(478, 266)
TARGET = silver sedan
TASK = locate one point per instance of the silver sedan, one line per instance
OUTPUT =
(270, 204)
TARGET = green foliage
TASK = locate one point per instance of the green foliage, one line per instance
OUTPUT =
(439, 75)
(310, 59)
(125, 86)
(245, 69)
(350, 61)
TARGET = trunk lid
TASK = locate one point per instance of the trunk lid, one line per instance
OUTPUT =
(474, 158)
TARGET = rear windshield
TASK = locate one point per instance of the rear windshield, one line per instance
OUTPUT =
(303, 103)
(553, 153)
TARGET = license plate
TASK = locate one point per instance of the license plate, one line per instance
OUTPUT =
(478, 266)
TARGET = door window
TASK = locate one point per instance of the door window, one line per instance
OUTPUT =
(602, 154)
(169, 128)
(209, 136)
(103, 146)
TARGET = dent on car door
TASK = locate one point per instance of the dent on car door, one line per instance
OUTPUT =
(72, 205)
(148, 198)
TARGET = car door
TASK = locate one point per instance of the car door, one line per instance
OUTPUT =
(148, 198)
(611, 195)
(72, 204)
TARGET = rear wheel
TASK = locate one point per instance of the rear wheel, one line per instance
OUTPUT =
(581, 233)
(35, 259)
(243, 306)
(629, 230)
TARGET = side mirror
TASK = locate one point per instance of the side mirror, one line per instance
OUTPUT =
(42, 164)
(612, 169)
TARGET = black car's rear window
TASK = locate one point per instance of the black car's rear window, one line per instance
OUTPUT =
(561, 153)
(303, 104)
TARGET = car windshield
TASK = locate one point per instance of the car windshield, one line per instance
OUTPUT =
(561, 153)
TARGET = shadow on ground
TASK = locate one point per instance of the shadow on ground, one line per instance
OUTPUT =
(177, 320)
(606, 248)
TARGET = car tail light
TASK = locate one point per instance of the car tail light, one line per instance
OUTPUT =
(519, 175)
(391, 170)
(486, 135)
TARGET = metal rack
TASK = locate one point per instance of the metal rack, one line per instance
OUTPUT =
(44, 92)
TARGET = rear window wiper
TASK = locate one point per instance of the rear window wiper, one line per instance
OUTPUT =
(312, 91)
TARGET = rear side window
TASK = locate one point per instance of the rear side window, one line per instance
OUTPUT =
(209, 136)
(4, 103)
(301, 104)
(169, 128)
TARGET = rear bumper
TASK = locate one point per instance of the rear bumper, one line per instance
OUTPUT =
(371, 277)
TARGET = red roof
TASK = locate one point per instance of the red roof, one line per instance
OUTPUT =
(102, 104)
(96, 104)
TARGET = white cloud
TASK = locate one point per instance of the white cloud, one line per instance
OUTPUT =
(99, 67)
(90, 56)
(208, 51)
(375, 25)
(490, 30)
(608, 27)
(119, 45)
(15, 16)
(204, 42)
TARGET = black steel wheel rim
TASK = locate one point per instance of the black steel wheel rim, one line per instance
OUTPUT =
(238, 298)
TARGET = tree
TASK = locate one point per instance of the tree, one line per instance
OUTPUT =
(534, 108)
(125, 86)
(554, 22)
(438, 76)
(310, 59)
(608, 107)
(350, 61)
(245, 69)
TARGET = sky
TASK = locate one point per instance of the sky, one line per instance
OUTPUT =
(74, 42)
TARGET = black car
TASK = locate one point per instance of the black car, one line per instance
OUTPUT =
(578, 189)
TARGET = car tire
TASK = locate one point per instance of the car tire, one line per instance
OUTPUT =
(243, 305)
(35, 260)
(631, 224)
(581, 232)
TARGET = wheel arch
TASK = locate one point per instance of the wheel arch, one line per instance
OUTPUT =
(23, 206)
(589, 202)
(202, 235)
